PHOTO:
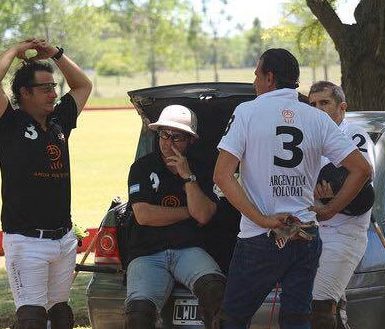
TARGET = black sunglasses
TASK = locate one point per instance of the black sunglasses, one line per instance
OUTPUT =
(45, 87)
(174, 137)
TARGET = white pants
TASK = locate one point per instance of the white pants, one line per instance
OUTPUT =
(342, 250)
(40, 270)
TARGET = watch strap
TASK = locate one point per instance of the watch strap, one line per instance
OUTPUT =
(190, 179)
(58, 55)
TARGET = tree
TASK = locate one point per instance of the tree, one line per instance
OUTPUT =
(159, 28)
(255, 43)
(194, 40)
(221, 18)
(9, 15)
(313, 43)
(361, 47)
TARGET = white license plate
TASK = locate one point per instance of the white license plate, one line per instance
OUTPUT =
(186, 312)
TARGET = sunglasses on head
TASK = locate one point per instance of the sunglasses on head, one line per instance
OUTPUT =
(45, 87)
(175, 137)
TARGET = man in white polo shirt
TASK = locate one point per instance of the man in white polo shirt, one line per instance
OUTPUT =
(278, 143)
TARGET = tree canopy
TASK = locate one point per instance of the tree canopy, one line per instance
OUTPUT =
(122, 37)
(361, 47)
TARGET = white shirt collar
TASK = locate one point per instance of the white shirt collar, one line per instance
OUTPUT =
(284, 92)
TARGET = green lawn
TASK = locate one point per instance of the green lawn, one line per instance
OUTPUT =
(102, 150)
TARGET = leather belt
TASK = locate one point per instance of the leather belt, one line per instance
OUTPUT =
(46, 234)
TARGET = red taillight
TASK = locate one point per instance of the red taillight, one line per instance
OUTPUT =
(106, 246)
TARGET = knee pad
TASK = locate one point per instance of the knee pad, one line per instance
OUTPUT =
(61, 316)
(324, 314)
(140, 314)
(31, 317)
(210, 290)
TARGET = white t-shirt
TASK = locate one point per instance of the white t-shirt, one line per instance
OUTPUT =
(364, 143)
(279, 142)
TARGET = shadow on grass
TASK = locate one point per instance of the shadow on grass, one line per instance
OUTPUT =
(77, 302)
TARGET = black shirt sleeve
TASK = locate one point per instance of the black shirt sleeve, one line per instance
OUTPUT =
(139, 184)
(7, 121)
(66, 113)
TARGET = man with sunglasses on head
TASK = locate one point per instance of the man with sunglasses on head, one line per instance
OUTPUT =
(171, 199)
(39, 244)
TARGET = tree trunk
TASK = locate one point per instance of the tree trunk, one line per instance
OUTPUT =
(361, 47)
(45, 24)
(313, 73)
(326, 75)
(215, 55)
(152, 59)
(363, 84)
(196, 66)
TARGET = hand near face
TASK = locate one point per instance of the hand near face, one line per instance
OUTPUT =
(179, 162)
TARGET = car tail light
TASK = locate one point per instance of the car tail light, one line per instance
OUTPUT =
(106, 246)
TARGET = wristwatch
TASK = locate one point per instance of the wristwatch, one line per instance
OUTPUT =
(58, 55)
(190, 179)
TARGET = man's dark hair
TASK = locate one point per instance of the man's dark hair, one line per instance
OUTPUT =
(283, 65)
(336, 91)
(25, 77)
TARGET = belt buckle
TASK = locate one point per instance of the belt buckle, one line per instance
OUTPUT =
(41, 233)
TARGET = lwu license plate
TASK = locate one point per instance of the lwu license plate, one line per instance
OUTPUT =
(186, 313)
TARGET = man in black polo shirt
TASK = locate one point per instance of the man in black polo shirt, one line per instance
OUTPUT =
(170, 199)
(39, 245)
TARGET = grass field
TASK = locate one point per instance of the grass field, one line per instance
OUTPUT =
(102, 149)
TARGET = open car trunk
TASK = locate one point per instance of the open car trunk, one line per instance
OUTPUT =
(213, 103)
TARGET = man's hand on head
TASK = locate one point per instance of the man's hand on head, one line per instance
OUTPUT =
(44, 50)
(23, 47)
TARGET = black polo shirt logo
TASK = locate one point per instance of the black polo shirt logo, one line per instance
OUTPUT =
(170, 201)
(31, 132)
(54, 154)
(155, 181)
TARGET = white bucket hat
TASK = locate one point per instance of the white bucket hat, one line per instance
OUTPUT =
(178, 117)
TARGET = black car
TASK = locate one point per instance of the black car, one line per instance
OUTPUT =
(214, 103)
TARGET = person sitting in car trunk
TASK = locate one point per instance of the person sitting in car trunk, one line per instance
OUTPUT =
(171, 199)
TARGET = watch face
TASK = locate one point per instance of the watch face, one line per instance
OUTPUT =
(191, 178)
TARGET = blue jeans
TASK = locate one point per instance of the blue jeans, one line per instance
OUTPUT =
(257, 265)
(152, 277)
